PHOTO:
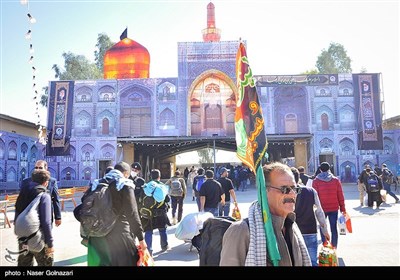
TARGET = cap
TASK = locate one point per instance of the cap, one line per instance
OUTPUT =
(136, 165)
(223, 169)
(324, 166)
(384, 165)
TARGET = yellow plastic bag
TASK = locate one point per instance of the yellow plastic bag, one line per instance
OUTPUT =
(236, 213)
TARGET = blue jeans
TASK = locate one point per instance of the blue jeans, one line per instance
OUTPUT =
(311, 241)
(148, 237)
(332, 216)
(213, 211)
(224, 210)
(386, 187)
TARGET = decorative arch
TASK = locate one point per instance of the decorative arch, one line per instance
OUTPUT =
(291, 123)
(23, 174)
(11, 174)
(88, 173)
(388, 146)
(135, 111)
(105, 123)
(83, 123)
(107, 151)
(87, 152)
(291, 112)
(12, 150)
(68, 173)
(348, 172)
(167, 119)
(324, 118)
(345, 88)
(83, 94)
(326, 146)
(24, 152)
(212, 99)
(2, 149)
(167, 91)
(347, 118)
(346, 147)
(72, 155)
(33, 153)
(53, 172)
(106, 94)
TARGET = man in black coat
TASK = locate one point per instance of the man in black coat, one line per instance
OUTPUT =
(52, 189)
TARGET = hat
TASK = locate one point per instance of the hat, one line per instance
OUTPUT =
(136, 165)
(324, 166)
(223, 169)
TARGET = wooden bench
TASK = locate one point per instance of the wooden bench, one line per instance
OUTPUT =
(8, 205)
(79, 190)
(66, 195)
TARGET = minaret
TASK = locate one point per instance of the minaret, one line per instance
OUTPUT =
(211, 33)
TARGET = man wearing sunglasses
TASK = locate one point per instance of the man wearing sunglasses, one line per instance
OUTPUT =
(244, 242)
(27, 186)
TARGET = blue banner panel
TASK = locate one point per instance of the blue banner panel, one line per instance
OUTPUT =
(59, 119)
(367, 102)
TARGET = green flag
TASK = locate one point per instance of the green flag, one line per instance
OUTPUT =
(251, 141)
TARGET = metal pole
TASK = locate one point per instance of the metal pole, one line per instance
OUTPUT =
(215, 164)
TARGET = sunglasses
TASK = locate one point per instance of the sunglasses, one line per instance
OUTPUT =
(39, 167)
(287, 189)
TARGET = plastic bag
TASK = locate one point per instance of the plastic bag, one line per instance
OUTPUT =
(365, 200)
(145, 259)
(236, 213)
(327, 256)
(191, 224)
(349, 227)
(342, 224)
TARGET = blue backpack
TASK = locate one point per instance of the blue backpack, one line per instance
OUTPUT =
(373, 184)
(200, 181)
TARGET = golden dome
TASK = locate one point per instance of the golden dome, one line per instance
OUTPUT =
(127, 59)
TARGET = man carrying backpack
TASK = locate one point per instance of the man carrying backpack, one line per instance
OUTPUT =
(52, 189)
(27, 195)
(197, 183)
(153, 208)
(118, 247)
(177, 191)
(387, 180)
(137, 180)
(373, 185)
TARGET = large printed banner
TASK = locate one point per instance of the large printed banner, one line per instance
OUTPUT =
(367, 101)
(59, 124)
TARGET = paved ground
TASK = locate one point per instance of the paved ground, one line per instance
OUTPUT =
(375, 240)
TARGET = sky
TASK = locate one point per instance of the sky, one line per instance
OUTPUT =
(283, 38)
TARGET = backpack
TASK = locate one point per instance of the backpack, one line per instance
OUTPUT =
(373, 184)
(27, 226)
(200, 181)
(387, 176)
(176, 187)
(211, 239)
(96, 213)
(147, 206)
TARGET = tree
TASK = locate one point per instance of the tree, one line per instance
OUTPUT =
(205, 155)
(310, 72)
(103, 44)
(334, 60)
(77, 67)
(363, 69)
